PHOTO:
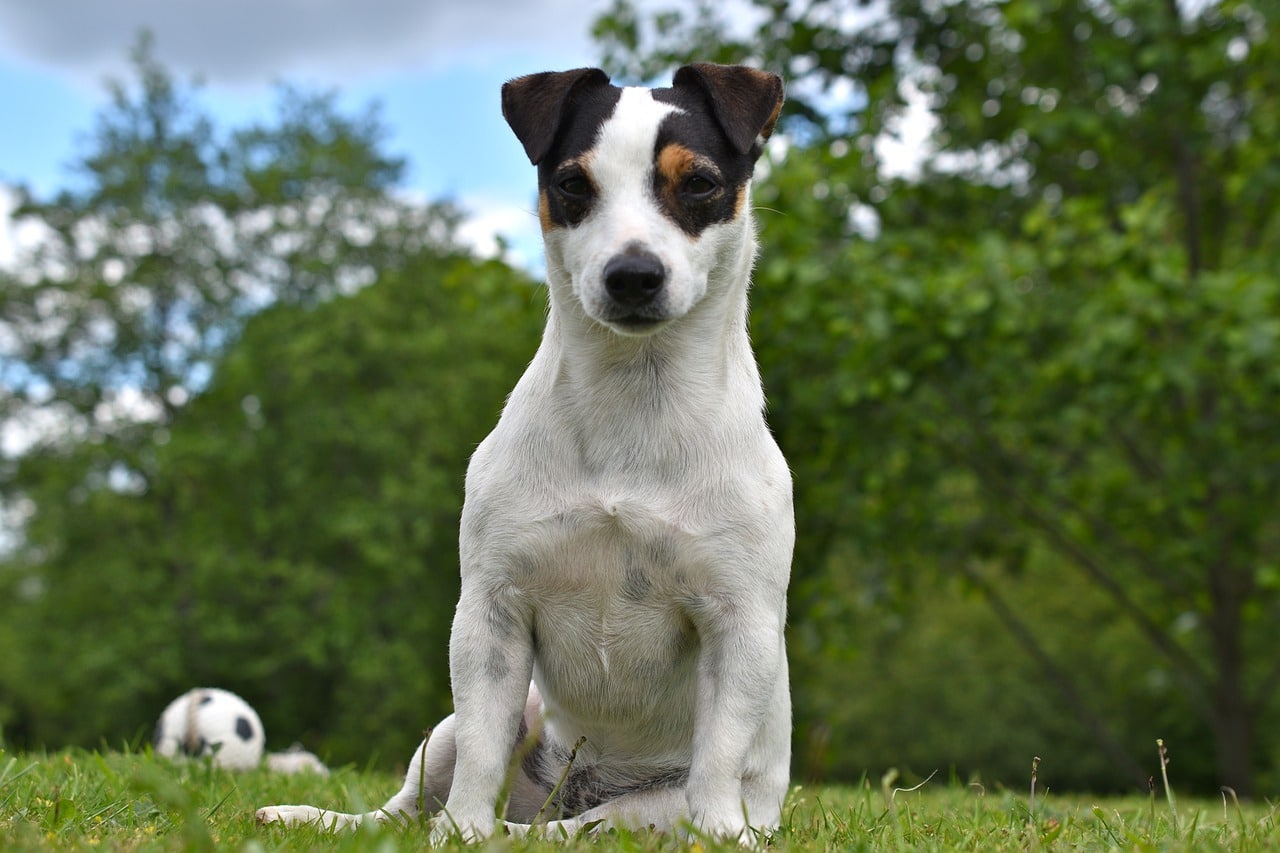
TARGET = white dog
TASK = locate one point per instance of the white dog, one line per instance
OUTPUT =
(627, 534)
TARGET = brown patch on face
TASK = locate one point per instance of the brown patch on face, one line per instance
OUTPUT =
(740, 201)
(544, 211)
(674, 162)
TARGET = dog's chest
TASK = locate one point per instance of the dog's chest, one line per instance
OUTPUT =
(611, 583)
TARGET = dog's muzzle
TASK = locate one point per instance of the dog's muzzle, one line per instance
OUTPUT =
(634, 282)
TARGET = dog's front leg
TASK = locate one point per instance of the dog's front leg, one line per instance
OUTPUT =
(742, 658)
(491, 661)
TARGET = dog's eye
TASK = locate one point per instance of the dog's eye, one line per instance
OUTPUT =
(575, 186)
(699, 187)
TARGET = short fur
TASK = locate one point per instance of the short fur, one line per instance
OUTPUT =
(627, 533)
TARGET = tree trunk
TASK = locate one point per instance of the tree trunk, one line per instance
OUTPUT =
(1233, 717)
(1233, 740)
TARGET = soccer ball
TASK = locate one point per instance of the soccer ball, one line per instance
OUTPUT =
(211, 722)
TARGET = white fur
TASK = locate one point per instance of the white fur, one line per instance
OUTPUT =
(625, 544)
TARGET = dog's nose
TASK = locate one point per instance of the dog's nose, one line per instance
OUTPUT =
(634, 278)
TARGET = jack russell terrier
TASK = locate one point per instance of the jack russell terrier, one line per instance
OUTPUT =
(617, 654)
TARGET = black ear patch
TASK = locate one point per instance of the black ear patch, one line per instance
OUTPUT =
(745, 101)
(535, 105)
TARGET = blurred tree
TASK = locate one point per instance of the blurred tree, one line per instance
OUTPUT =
(298, 540)
(174, 235)
(152, 547)
(1052, 345)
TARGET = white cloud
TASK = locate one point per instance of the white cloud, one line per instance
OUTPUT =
(237, 42)
(492, 222)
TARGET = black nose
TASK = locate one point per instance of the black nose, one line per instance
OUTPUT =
(634, 278)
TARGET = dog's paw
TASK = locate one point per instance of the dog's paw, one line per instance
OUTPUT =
(445, 830)
(300, 815)
(288, 815)
(724, 826)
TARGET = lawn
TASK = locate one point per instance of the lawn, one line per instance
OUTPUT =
(133, 801)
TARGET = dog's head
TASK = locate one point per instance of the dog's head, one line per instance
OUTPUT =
(642, 193)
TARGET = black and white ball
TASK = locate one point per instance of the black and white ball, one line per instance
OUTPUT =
(208, 721)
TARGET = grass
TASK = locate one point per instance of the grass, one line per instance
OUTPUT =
(80, 800)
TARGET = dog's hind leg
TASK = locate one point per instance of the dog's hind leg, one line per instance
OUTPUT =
(426, 787)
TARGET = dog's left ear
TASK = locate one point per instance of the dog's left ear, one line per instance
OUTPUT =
(534, 105)
(746, 101)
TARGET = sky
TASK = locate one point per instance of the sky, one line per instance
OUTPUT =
(434, 66)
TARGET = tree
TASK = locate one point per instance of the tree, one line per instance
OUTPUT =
(1054, 348)
(129, 578)
(297, 542)
(173, 236)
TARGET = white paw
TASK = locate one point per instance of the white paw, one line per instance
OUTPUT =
(724, 826)
(444, 830)
(301, 815)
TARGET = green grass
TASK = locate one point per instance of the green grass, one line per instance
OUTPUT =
(118, 801)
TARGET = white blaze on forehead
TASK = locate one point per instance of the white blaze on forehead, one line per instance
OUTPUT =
(623, 155)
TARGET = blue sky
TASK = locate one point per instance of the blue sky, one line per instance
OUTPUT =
(435, 67)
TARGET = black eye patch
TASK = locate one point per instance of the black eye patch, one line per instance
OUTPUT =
(566, 190)
(571, 193)
(692, 189)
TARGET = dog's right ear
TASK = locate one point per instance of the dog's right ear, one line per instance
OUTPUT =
(534, 105)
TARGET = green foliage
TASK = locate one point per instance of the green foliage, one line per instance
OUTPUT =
(298, 541)
(979, 419)
(1040, 369)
